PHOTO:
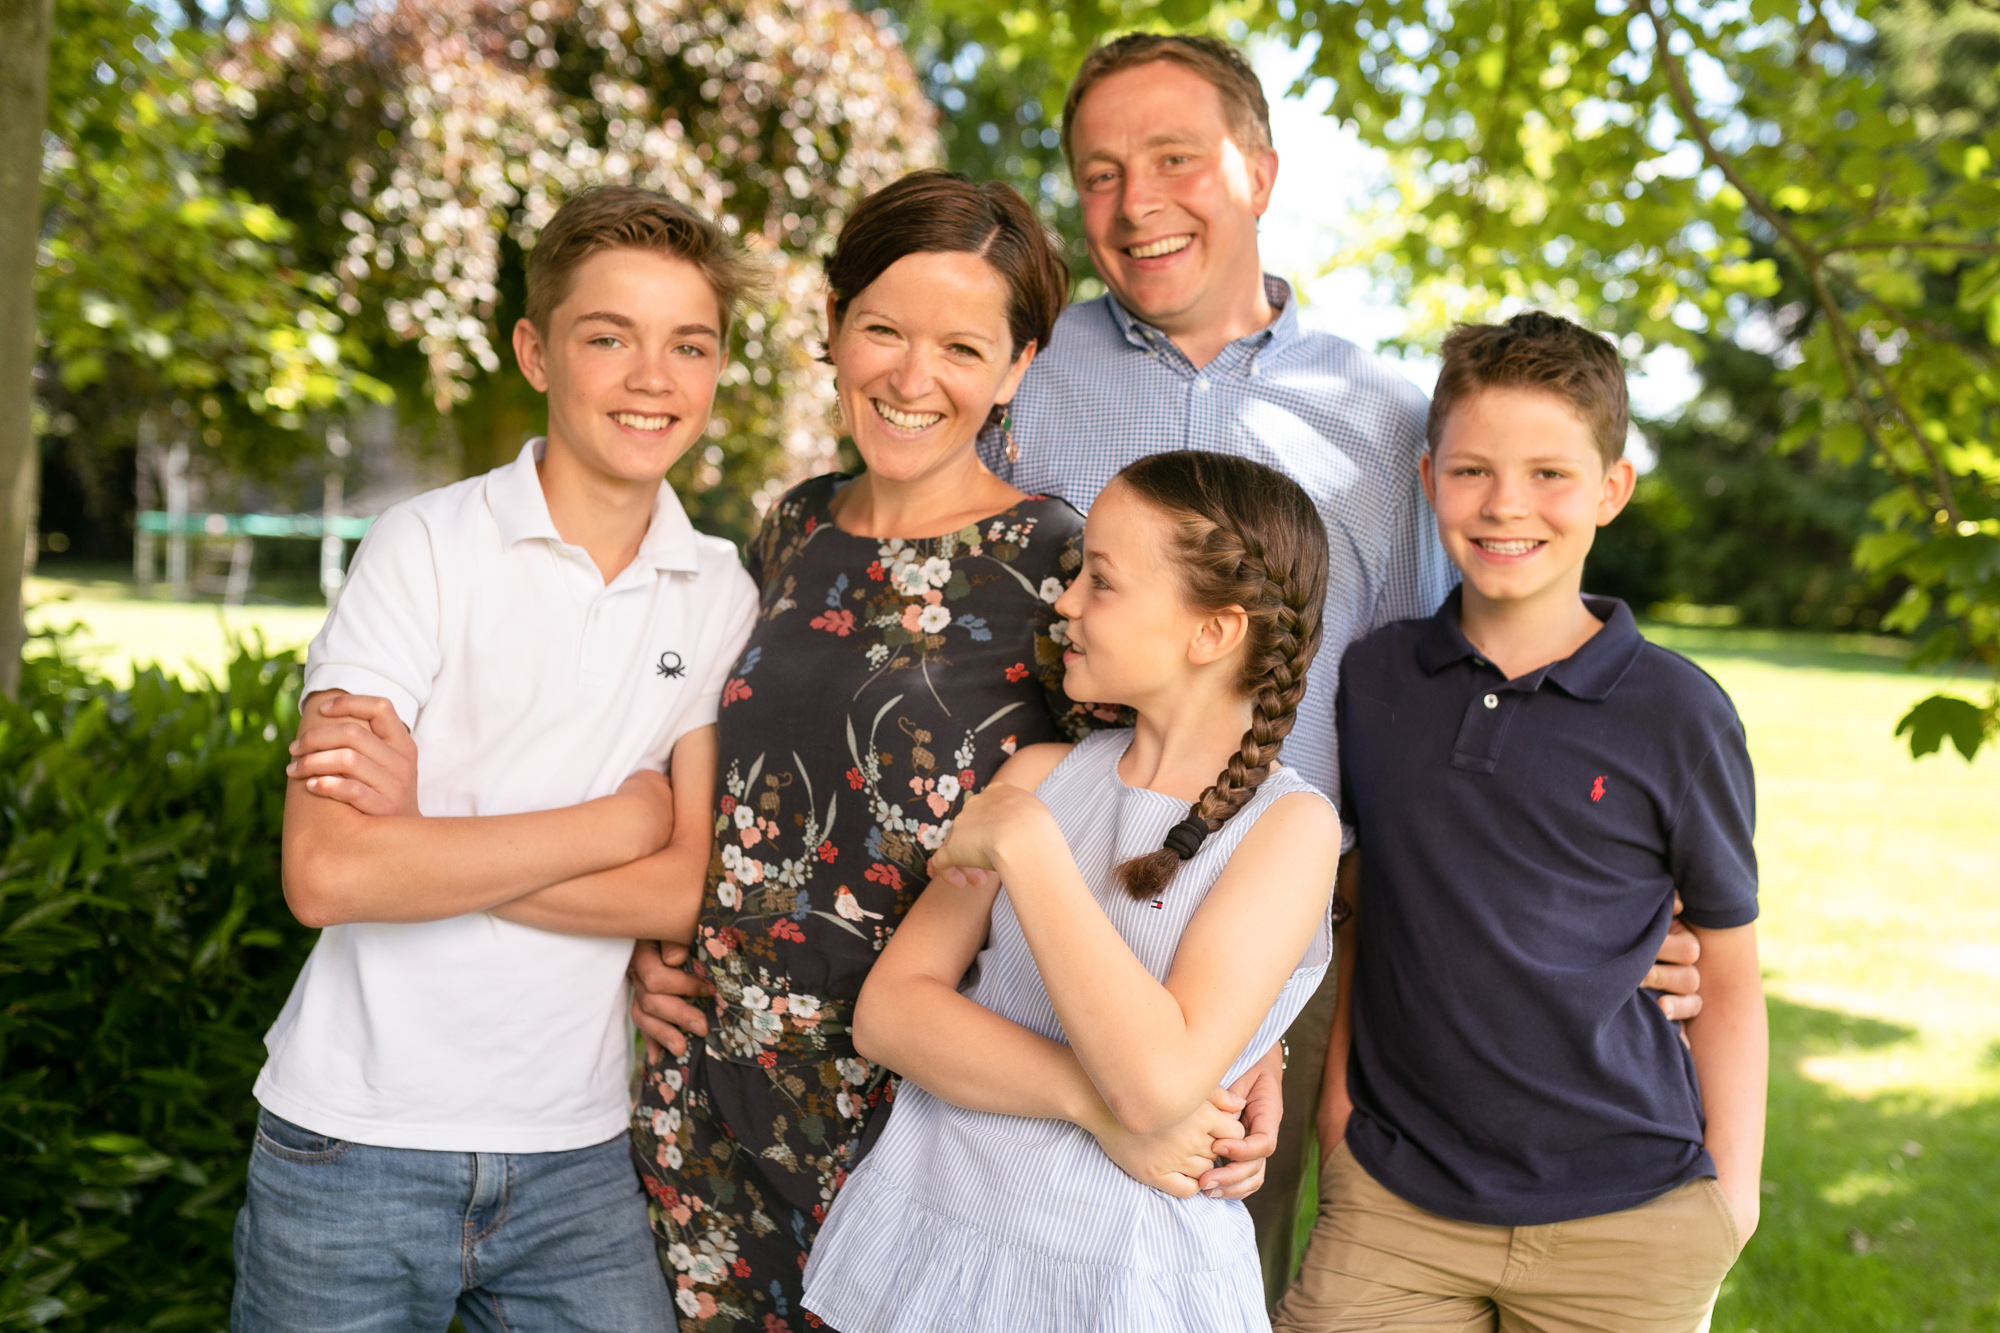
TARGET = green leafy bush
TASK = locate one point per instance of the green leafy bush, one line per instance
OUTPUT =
(144, 948)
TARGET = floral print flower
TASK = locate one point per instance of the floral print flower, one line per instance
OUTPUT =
(839, 622)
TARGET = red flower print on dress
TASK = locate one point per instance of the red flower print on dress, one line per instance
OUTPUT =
(1018, 671)
(840, 623)
(769, 1059)
(735, 691)
(888, 875)
(855, 780)
(876, 572)
(787, 929)
(740, 1268)
(727, 805)
(827, 851)
(773, 1324)
(811, 523)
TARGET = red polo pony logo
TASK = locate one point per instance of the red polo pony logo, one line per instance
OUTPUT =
(1597, 789)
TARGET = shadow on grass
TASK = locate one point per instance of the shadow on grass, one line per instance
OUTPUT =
(1879, 1212)
(1866, 653)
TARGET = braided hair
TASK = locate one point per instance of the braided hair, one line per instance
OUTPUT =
(1244, 535)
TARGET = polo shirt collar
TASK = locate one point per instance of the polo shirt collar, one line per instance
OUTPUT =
(521, 509)
(1589, 673)
(1280, 332)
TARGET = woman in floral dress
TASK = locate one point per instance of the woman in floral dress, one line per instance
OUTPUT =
(906, 647)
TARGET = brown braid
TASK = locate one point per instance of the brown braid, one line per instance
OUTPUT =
(1248, 536)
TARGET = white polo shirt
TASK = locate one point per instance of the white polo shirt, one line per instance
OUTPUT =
(529, 684)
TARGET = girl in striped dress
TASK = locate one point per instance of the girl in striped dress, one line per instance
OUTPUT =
(1134, 918)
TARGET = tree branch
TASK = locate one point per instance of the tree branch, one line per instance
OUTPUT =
(1808, 255)
(1969, 247)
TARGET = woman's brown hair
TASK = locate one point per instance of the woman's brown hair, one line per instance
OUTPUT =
(941, 212)
(1245, 535)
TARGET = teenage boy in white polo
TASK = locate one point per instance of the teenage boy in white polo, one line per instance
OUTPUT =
(444, 1107)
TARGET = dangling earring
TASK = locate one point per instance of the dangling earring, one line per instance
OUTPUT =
(1007, 434)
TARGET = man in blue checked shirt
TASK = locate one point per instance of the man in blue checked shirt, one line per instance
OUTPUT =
(1195, 347)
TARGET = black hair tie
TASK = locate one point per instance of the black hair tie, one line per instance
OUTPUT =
(1185, 838)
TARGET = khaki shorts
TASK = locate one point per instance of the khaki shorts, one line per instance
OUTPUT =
(1378, 1264)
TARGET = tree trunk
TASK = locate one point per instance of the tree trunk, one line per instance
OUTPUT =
(24, 100)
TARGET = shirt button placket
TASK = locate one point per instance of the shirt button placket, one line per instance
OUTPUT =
(595, 663)
(1481, 733)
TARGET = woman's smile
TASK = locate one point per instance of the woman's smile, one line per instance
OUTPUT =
(907, 422)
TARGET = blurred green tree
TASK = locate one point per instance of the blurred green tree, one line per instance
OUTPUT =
(159, 287)
(1729, 517)
(418, 149)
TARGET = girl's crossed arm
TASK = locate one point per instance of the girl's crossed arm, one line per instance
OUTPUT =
(912, 1018)
(1154, 1050)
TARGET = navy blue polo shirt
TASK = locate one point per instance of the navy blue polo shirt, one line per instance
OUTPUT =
(1521, 841)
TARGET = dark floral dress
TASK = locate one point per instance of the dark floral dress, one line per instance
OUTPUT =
(884, 681)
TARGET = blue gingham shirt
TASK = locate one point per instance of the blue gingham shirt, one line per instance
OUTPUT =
(1334, 418)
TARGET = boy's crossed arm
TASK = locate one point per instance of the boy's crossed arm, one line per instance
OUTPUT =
(357, 849)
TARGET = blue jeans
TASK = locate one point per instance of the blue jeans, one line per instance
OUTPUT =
(343, 1238)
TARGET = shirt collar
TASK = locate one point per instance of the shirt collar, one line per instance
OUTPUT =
(514, 493)
(1590, 673)
(1279, 332)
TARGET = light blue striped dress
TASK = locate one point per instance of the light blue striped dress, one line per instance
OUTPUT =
(969, 1221)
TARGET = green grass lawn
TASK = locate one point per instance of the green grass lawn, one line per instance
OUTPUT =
(1881, 936)
(123, 626)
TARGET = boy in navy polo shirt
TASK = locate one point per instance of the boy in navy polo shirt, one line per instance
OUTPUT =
(1523, 1140)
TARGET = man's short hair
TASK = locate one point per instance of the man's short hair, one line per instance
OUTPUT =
(1536, 350)
(613, 217)
(1221, 64)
